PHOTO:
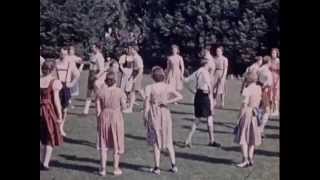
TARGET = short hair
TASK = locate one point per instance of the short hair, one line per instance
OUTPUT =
(157, 74)
(204, 62)
(266, 59)
(110, 78)
(251, 77)
(175, 46)
(48, 66)
(220, 47)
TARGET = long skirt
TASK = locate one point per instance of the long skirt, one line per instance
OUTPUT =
(110, 131)
(159, 129)
(174, 79)
(248, 131)
(219, 85)
(137, 85)
(49, 128)
(202, 105)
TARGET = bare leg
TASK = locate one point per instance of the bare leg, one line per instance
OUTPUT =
(87, 106)
(47, 156)
(245, 162)
(251, 154)
(103, 162)
(42, 153)
(222, 100)
(193, 129)
(210, 129)
(116, 159)
(131, 98)
(172, 158)
(265, 119)
(156, 155)
(63, 133)
(156, 151)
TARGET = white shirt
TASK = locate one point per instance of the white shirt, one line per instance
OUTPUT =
(265, 75)
(202, 79)
(97, 62)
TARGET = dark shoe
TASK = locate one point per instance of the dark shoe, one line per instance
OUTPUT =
(215, 144)
(174, 169)
(44, 168)
(187, 145)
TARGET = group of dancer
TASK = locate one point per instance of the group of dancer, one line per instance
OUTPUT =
(113, 86)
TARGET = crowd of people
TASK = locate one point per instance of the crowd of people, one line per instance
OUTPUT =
(113, 86)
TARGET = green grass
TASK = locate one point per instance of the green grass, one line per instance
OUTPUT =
(77, 158)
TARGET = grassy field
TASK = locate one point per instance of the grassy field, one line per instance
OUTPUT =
(77, 158)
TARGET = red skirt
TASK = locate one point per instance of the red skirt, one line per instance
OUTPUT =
(49, 128)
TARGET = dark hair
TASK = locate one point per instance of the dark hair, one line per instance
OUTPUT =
(175, 46)
(220, 47)
(48, 66)
(98, 45)
(203, 62)
(157, 74)
(266, 60)
(110, 78)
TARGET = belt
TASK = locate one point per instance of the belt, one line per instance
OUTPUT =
(203, 91)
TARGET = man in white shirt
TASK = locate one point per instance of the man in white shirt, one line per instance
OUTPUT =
(203, 101)
(97, 67)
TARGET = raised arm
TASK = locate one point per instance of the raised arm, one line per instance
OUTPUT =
(177, 96)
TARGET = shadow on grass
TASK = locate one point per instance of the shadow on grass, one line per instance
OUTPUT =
(273, 136)
(125, 165)
(82, 106)
(183, 113)
(227, 109)
(80, 99)
(74, 167)
(257, 151)
(135, 137)
(219, 123)
(271, 127)
(196, 157)
(75, 113)
(79, 142)
(206, 130)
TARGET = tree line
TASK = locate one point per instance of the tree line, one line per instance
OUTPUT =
(246, 28)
